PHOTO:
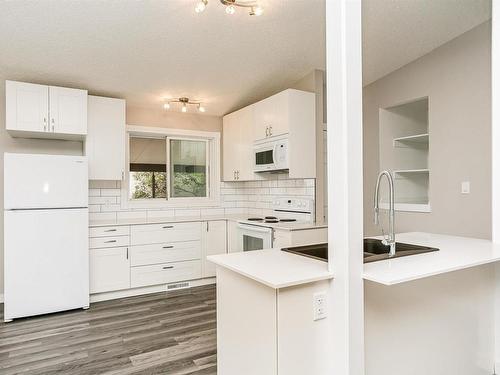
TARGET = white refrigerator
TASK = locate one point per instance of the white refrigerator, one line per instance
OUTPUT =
(46, 263)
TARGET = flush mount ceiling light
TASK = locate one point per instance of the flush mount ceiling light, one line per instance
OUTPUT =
(184, 102)
(254, 9)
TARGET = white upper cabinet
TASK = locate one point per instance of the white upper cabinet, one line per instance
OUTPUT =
(271, 116)
(27, 106)
(39, 111)
(237, 146)
(289, 112)
(68, 110)
(105, 143)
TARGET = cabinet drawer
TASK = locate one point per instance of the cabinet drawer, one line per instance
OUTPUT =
(100, 242)
(165, 273)
(122, 230)
(165, 233)
(142, 255)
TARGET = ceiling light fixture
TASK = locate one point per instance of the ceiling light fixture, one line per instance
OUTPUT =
(200, 6)
(185, 102)
(254, 9)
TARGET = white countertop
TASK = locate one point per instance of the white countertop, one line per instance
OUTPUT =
(290, 226)
(274, 268)
(455, 253)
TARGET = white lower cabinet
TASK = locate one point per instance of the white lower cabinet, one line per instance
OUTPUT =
(143, 255)
(124, 257)
(109, 269)
(214, 242)
(165, 273)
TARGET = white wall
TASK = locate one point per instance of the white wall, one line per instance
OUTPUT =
(440, 325)
(456, 78)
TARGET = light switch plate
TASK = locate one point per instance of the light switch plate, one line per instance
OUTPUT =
(320, 306)
(465, 187)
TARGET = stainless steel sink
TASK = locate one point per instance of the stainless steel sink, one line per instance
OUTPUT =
(373, 250)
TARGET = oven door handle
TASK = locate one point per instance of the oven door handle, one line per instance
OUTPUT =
(255, 228)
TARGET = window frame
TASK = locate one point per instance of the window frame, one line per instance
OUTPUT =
(213, 165)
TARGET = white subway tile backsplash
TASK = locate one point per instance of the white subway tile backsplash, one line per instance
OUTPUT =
(110, 207)
(110, 192)
(240, 197)
(98, 184)
(286, 183)
(102, 216)
(103, 200)
(212, 211)
(160, 213)
(94, 192)
(126, 215)
(94, 208)
(189, 213)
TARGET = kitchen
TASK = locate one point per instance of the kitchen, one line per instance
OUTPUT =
(183, 192)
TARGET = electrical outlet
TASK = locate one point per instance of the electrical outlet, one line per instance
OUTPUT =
(466, 187)
(319, 306)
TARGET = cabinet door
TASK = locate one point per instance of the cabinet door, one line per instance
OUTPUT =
(27, 106)
(109, 269)
(230, 141)
(214, 242)
(105, 142)
(68, 110)
(245, 144)
(271, 116)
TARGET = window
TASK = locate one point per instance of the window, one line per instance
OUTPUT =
(188, 168)
(171, 167)
(147, 168)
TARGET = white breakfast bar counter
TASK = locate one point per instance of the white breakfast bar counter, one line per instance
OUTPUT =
(265, 310)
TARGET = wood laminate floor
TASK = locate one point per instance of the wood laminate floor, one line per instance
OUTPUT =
(163, 333)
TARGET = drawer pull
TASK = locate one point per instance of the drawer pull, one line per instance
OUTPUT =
(110, 230)
(110, 241)
(168, 247)
(168, 267)
(168, 227)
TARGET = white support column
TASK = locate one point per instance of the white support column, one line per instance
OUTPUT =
(345, 184)
(495, 148)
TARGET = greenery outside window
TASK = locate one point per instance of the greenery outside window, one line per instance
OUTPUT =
(166, 170)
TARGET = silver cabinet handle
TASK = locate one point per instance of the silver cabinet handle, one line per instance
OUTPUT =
(168, 227)
(168, 247)
(168, 267)
(234, 175)
(53, 124)
(270, 130)
(110, 230)
(267, 131)
(45, 124)
(110, 241)
(127, 253)
(237, 175)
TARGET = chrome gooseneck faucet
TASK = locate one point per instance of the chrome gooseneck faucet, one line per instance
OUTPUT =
(390, 239)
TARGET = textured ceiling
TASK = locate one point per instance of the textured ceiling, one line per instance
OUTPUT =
(396, 32)
(146, 50)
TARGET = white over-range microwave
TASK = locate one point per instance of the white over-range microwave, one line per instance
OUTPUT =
(271, 154)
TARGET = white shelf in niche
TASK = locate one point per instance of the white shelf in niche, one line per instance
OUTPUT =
(403, 172)
(409, 207)
(420, 140)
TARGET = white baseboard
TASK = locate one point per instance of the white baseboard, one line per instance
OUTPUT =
(144, 290)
